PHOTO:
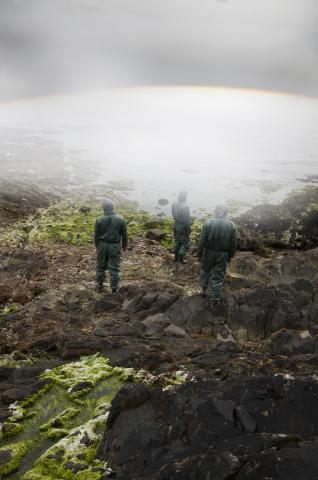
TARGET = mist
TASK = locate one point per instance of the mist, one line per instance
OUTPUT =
(58, 46)
(115, 95)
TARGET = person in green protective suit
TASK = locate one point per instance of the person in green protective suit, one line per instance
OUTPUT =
(216, 247)
(181, 227)
(110, 239)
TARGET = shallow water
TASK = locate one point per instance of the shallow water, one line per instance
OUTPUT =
(239, 146)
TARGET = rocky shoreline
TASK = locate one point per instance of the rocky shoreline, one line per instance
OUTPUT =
(224, 394)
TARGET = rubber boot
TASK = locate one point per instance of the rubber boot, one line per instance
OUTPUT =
(180, 258)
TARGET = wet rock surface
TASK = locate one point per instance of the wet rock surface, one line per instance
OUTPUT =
(223, 429)
(292, 224)
(246, 408)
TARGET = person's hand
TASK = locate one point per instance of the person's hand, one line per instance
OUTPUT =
(199, 259)
(124, 249)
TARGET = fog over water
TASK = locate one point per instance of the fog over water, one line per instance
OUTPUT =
(221, 145)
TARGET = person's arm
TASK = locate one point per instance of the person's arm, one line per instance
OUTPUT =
(186, 218)
(124, 236)
(202, 241)
(233, 243)
(96, 234)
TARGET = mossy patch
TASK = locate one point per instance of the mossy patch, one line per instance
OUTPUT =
(10, 429)
(16, 452)
(90, 369)
(73, 457)
(8, 309)
(65, 222)
(56, 426)
(9, 361)
(31, 400)
(51, 421)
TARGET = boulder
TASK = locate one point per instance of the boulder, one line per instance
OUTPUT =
(155, 222)
(163, 201)
(292, 224)
(107, 303)
(155, 234)
(290, 342)
(175, 331)
(214, 428)
(155, 324)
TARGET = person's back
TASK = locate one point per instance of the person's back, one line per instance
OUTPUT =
(181, 213)
(109, 227)
(110, 239)
(181, 227)
(216, 247)
(220, 236)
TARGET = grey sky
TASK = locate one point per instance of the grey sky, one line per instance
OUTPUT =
(53, 46)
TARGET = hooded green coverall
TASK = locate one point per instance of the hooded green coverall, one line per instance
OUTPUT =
(217, 245)
(110, 238)
(181, 227)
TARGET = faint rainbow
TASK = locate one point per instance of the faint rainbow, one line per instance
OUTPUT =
(117, 90)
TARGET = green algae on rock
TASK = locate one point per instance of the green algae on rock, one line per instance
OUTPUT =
(49, 416)
(9, 308)
(56, 426)
(67, 221)
(13, 455)
(88, 370)
(31, 400)
(73, 457)
(10, 429)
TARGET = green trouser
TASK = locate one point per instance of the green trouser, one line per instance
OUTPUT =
(181, 239)
(213, 271)
(108, 258)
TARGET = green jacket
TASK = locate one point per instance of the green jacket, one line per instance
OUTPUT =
(181, 213)
(111, 228)
(217, 235)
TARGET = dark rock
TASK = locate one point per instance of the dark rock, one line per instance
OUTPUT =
(86, 440)
(244, 419)
(191, 313)
(85, 209)
(5, 456)
(75, 467)
(58, 455)
(134, 329)
(289, 342)
(155, 234)
(6, 292)
(209, 427)
(130, 396)
(292, 463)
(163, 201)
(152, 302)
(4, 413)
(174, 331)
(108, 303)
(155, 324)
(75, 345)
(292, 224)
(5, 372)
(153, 223)
(303, 285)
(81, 386)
